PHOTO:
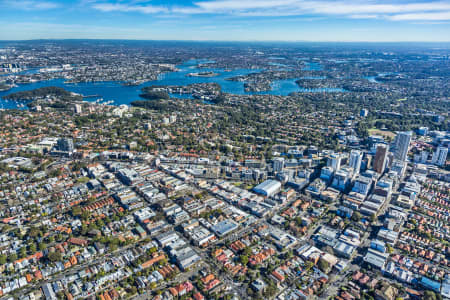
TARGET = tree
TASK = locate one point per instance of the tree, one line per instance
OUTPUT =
(152, 250)
(154, 95)
(429, 295)
(12, 257)
(289, 254)
(85, 215)
(244, 259)
(271, 289)
(42, 246)
(247, 251)
(100, 223)
(323, 265)
(54, 256)
(113, 247)
(34, 232)
(76, 211)
(390, 249)
(32, 248)
(309, 265)
(356, 216)
(23, 252)
(59, 237)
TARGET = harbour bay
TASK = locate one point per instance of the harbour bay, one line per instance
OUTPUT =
(117, 93)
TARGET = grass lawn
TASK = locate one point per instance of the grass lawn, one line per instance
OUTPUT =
(385, 133)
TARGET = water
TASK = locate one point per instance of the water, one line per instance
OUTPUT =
(27, 71)
(278, 65)
(374, 78)
(371, 79)
(339, 61)
(312, 66)
(126, 94)
(313, 77)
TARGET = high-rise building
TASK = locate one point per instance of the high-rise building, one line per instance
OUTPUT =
(78, 109)
(65, 144)
(334, 161)
(379, 163)
(362, 185)
(438, 118)
(355, 161)
(278, 164)
(398, 167)
(364, 112)
(342, 178)
(440, 156)
(390, 159)
(422, 131)
(423, 156)
(402, 141)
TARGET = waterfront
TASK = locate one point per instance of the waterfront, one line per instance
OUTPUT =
(120, 94)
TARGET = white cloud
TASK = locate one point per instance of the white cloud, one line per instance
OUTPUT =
(227, 5)
(344, 8)
(364, 16)
(291, 7)
(352, 9)
(356, 9)
(29, 4)
(146, 9)
(433, 16)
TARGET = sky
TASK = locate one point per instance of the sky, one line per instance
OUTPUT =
(227, 20)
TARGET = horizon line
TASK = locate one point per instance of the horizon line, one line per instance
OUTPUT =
(224, 41)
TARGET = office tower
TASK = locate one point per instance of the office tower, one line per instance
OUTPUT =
(65, 144)
(440, 156)
(278, 164)
(402, 141)
(390, 159)
(366, 163)
(355, 161)
(438, 118)
(422, 131)
(364, 112)
(78, 108)
(424, 156)
(379, 163)
(334, 161)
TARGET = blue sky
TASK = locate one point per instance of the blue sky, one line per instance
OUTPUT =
(254, 20)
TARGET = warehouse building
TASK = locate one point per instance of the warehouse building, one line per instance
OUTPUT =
(268, 188)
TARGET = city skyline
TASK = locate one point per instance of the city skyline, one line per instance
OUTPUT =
(227, 20)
